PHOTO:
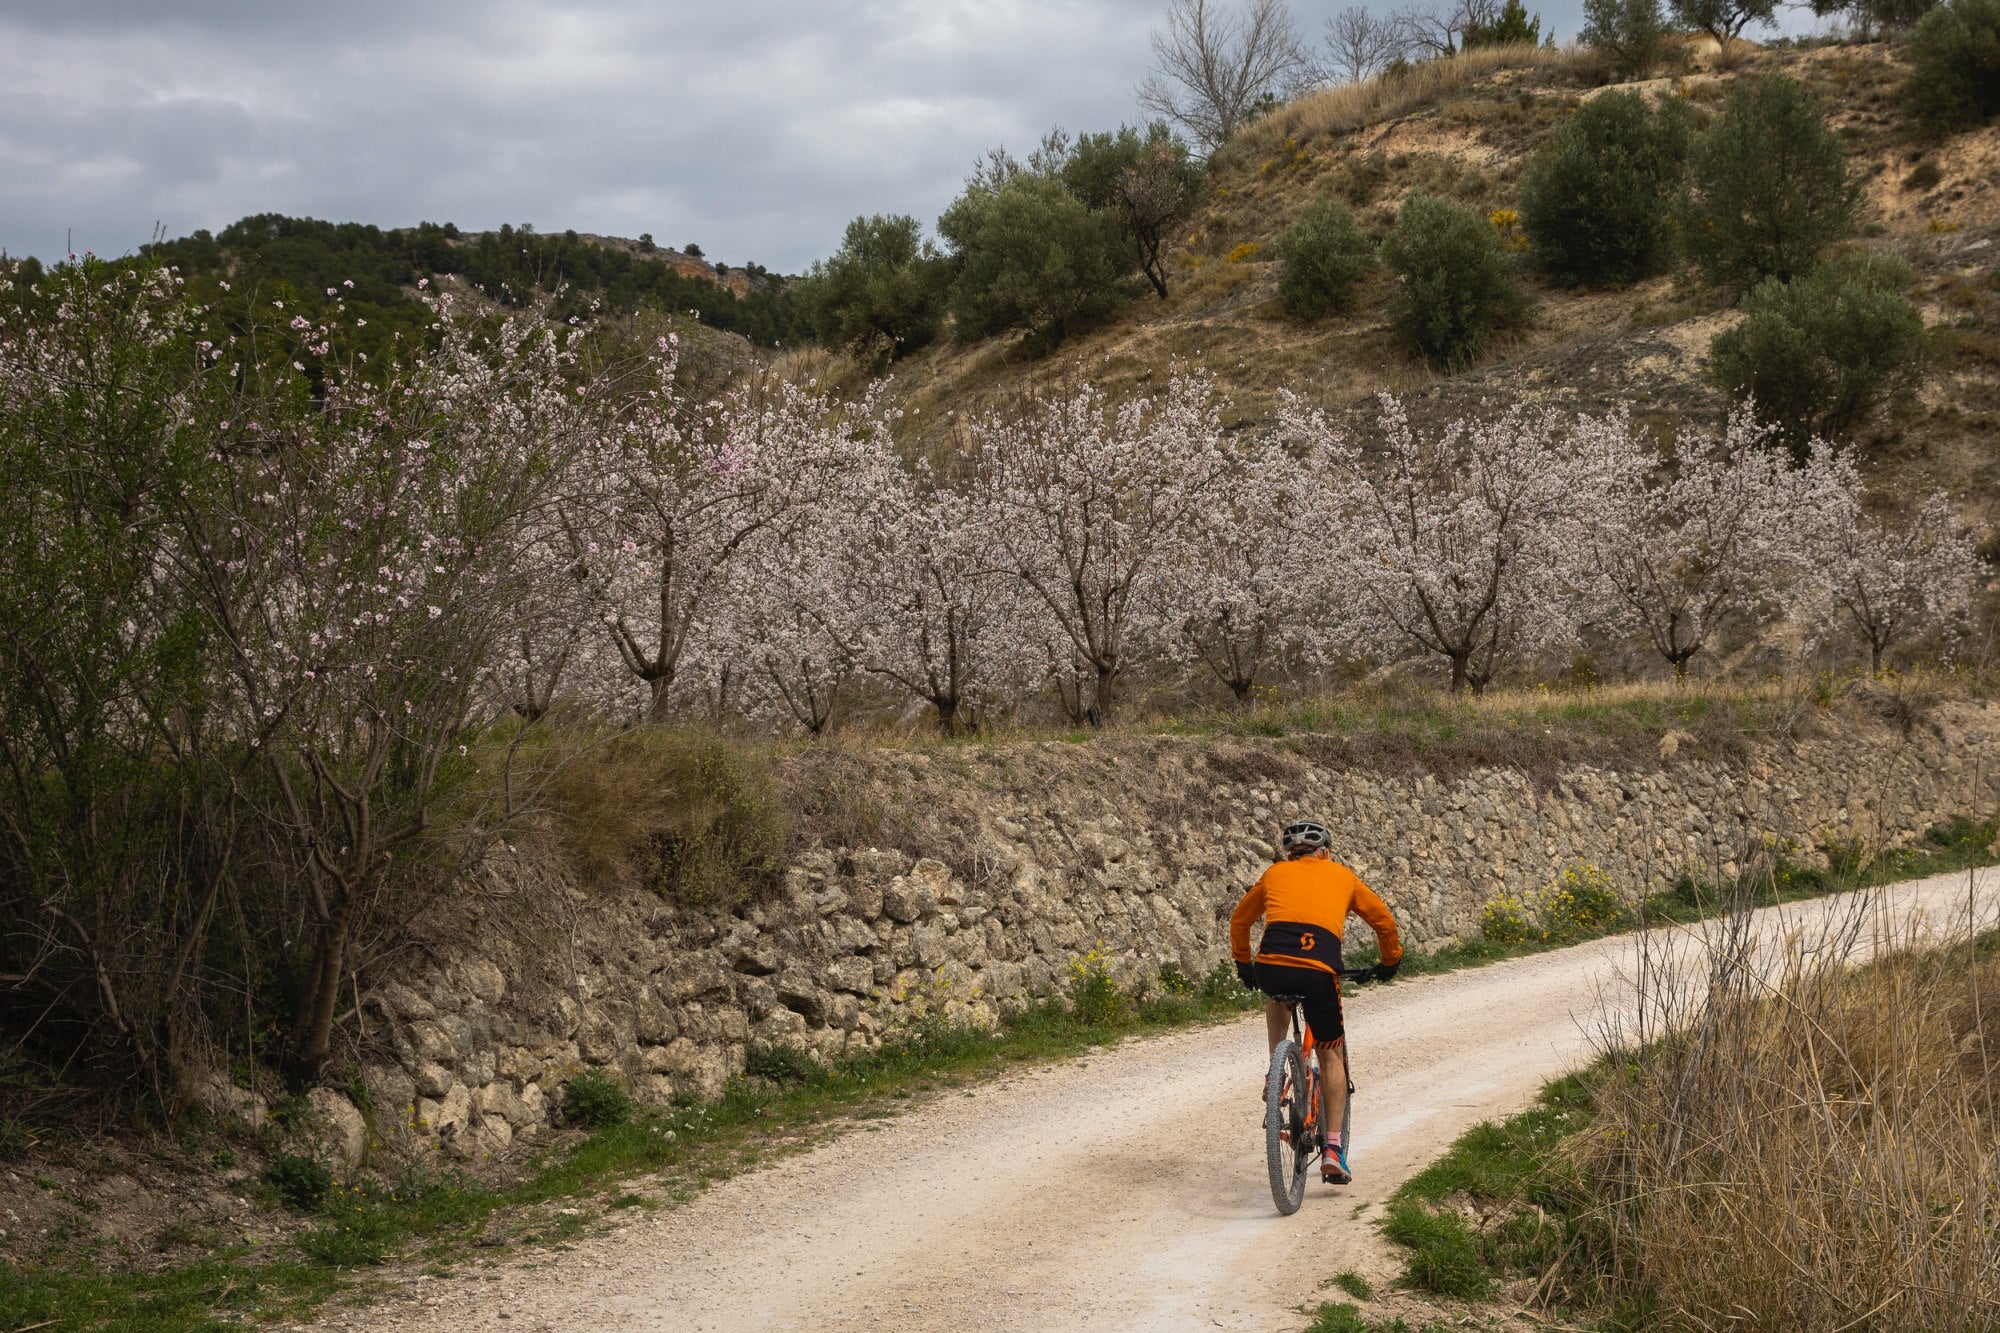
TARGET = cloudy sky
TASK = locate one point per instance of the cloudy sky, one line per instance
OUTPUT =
(755, 128)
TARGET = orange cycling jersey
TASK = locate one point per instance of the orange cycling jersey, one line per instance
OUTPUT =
(1304, 903)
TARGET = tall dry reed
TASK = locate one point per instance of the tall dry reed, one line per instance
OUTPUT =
(1794, 1142)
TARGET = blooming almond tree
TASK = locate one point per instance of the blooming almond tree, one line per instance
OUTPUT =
(789, 630)
(1683, 545)
(1467, 543)
(1890, 578)
(370, 571)
(1086, 501)
(668, 500)
(1249, 587)
(946, 621)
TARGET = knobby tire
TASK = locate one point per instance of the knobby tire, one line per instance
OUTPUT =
(1286, 1154)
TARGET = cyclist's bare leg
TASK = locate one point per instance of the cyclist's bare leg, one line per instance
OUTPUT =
(1277, 1022)
(1333, 1083)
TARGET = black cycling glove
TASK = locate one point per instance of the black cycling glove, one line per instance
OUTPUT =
(1385, 972)
(1247, 974)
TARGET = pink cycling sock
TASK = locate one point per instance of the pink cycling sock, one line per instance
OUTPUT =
(1333, 1139)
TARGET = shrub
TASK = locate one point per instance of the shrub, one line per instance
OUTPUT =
(1508, 920)
(1579, 903)
(1094, 997)
(1770, 185)
(594, 1100)
(1222, 983)
(1457, 287)
(1631, 34)
(1031, 256)
(882, 291)
(1955, 60)
(1321, 258)
(1598, 198)
(301, 1182)
(1818, 354)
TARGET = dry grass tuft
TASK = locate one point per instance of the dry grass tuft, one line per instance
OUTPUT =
(1807, 1146)
(695, 818)
(1353, 106)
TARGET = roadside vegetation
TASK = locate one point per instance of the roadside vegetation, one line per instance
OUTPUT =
(1817, 1149)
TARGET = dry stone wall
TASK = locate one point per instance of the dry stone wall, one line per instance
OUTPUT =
(1016, 859)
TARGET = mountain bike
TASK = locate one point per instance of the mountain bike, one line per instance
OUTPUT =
(1293, 1136)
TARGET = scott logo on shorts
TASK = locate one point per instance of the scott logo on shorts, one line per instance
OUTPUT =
(1301, 940)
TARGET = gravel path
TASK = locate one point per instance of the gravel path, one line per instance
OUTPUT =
(1124, 1190)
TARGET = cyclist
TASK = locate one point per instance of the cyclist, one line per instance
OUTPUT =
(1304, 900)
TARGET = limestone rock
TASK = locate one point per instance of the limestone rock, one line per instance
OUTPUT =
(483, 979)
(343, 1131)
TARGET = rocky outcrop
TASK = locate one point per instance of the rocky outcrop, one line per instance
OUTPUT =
(1033, 854)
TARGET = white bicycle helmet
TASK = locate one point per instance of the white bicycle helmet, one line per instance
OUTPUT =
(1305, 836)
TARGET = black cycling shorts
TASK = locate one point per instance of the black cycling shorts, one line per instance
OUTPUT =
(1319, 991)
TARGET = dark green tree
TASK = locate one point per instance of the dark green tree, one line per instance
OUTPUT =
(1512, 26)
(1148, 180)
(883, 290)
(1820, 353)
(1724, 19)
(1869, 17)
(1322, 257)
(1598, 199)
(1632, 34)
(1032, 256)
(1457, 287)
(1771, 188)
(1955, 52)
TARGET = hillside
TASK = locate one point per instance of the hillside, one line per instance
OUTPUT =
(270, 255)
(1640, 345)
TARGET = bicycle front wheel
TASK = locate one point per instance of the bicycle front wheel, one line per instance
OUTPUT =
(1285, 1149)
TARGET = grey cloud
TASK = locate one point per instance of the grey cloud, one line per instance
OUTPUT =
(757, 128)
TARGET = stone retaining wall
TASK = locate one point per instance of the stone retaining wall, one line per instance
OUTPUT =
(1034, 854)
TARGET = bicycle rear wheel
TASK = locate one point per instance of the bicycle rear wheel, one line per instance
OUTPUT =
(1285, 1149)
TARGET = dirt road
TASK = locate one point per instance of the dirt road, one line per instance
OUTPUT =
(1121, 1191)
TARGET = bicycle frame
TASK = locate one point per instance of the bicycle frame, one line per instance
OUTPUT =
(1309, 1047)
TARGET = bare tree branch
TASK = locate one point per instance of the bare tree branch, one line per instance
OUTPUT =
(1360, 43)
(1214, 71)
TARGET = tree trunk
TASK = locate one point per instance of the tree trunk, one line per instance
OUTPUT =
(1460, 677)
(1100, 698)
(947, 715)
(1241, 689)
(660, 687)
(313, 1035)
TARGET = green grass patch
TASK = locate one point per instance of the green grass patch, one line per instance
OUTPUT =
(1497, 1204)
(1340, 1317)
(1352, 1283)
